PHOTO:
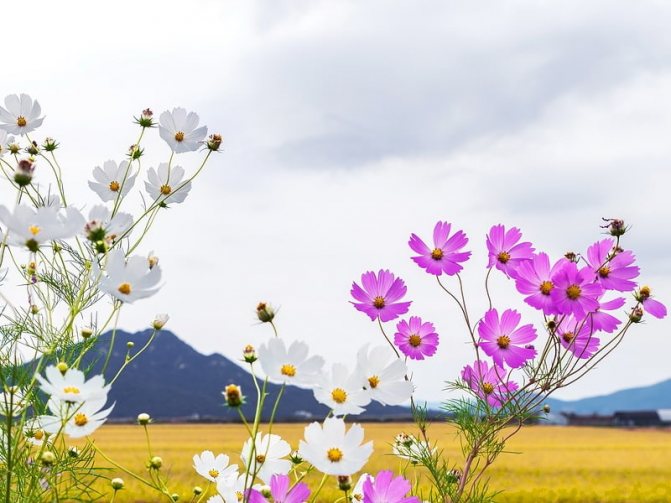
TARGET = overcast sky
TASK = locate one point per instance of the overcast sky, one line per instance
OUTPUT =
(348, 125)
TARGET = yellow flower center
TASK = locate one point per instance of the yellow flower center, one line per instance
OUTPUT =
(604, 271)
(288, 370)
(339, 395)
(573, 292)
(487, 388)
(34, 230)
(115, 186)
(71, 389)
(568, 336)
(21, 121)
(81, 419)
(503, 257)
(373, 381)
(437, 254)
(414, 340)
(166, 189)
(546, 287)
(334, 454)
(179, 136)
(644, 292)
(378, 302)
(238, 495)
(125, 288)
(503, 341)
(38, 434)
(214, 473)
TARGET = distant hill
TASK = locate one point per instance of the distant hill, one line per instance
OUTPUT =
(656, 396)
(171, 380)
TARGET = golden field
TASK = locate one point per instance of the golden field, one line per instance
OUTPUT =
(556, 464)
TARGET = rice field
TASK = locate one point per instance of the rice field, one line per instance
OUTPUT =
(558, 464)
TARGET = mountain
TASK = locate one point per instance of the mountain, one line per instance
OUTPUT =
(656, 396)
(171, 380)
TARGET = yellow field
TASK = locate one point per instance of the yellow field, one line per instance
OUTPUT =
(558, 464)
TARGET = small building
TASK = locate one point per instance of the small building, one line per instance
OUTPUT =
(573, 419)
(637, 418)
(664, 416)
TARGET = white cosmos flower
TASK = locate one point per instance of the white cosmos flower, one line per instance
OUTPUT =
(180, 130)
(214, 468)
(166, 183)
(269, 453)
(81, 419)
(72, 386)
(408, 447)
(332, 449)
(12, 401)
(112, 179)
(357, 493)
(21, 115)
(232, 489)
(33, 227)
(34, 432)
(383, 375)
(102, 226)
(292, 365)
(129, 280)
(341, 391)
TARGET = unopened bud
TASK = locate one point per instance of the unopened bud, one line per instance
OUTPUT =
(197, 490)
(265, 312)
(615, 226)
(159, 321)
(117, 484)
(571, 256)
(130, 344)
(153, 260)
(50, 144)
(643, 294)
(24, 172)
(265, 491)
(174, 496)
(73, 452)
(295, 458)
(156, 462)
(214, 142)
(146, 118)
(86, 332)
(32, 149)
(546, 408)
(48, 458)
(233, 394)
(344, 482)
(34, 309)
(14, 148)
(62, 367)
(135, 152)
(249, 354)
(636, 315)
(143, 419)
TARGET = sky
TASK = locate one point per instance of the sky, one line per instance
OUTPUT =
(349, 125)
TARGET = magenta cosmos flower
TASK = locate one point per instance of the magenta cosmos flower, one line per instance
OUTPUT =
(446, 253)
(534, 278)
(490, 384)
(601, 320)
(386, 488)
(652, 306)
(575, 291)
(279, 489)
(416, 339)
(505, 250)
(614, 271)
(577, 336)
(504, 341)
(380, 295)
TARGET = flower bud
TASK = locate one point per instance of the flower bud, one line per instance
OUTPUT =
(233, 394)
(143, 419)
(454, 476)
(404, 439)
(344, 482)
(62, 367)
(14, 148)
(24, 172)
(48, 458)
(159, 321)
(73, 452)
(156, 462)
(636, 315)
(117, 484)
(214, 142)
(571, 256)
(265, 312)
(152, 259)
(50, 144)
(94, 231)
(174, 496)
(130, 344)
(34, 309)
(86, 332)
(546, 408)
(135, 152)
(295, 458)
(265, 491)
(197, 490)
(643, 294)
(615, 226)
(146, 118)
(32, 149)
(249, 354)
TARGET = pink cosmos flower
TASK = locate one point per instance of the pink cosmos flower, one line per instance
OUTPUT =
(446, 254)
(601, 320)
(380, 295)
(490, 384)
(612, 272)
(577, 336)
(279, 489)
(575, 291)
(416, 339)
(652, 306)
(534, 278)
(505, 250)
(504, 341)
(385, 488)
